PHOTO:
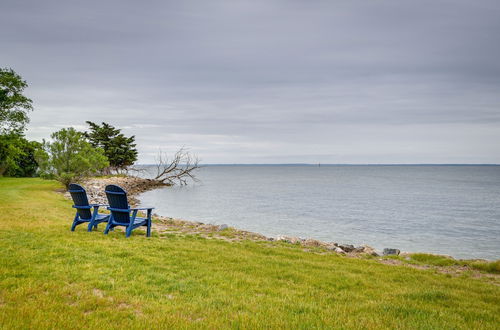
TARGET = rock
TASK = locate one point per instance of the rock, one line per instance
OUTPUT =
(282, 239)
(339, 250)
(347, 247)
(359, 249)
(222, 227)
(391, 252)
(331, 246)
(405, 255)
(288, 239)
(369, 250)
(313, 243)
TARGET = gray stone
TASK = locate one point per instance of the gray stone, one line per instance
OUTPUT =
(347, 247)
(331, 247)
(391, 252)
(288, 239)
(283, 238)
(359, 249)
(222, 227)
(313, 243)
(339, 250)
(369, 250)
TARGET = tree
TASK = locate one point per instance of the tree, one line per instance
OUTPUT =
(14, 106)
(69, 157)
(17, 155)
(119, 149)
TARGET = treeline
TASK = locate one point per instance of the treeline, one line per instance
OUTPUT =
(17, 154)
(68, 155)
(71, 155)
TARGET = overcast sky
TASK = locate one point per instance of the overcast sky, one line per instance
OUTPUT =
(267, 81)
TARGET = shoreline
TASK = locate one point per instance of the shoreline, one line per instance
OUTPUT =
(135, 185)
(165, 225)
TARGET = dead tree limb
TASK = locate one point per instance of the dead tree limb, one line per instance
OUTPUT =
(176, 170)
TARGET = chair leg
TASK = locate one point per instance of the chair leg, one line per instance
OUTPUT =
(128, 232)
(108, 227)
(148, 232)
(73, 226)
(75, 222)
(91, 224)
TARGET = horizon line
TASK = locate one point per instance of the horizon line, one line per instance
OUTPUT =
(340, 164)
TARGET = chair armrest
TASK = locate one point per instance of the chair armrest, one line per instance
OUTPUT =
(98, 205)
(141, 208)
(81, 207)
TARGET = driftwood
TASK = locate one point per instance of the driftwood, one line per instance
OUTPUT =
(178, 169)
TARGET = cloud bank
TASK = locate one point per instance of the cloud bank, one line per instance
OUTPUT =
(267, 81)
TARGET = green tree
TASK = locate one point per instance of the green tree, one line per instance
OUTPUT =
(119, 149)
(69, 157)
(17, 155)
(14, 106)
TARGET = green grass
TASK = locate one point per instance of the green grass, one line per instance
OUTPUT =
(53, 278)
(492, 267)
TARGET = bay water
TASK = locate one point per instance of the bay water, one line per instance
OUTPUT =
(452, 210)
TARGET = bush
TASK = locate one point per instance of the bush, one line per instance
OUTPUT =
(17, 156)
(69, 157)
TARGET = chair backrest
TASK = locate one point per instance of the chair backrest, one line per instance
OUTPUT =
(118, 204)
(80, 200)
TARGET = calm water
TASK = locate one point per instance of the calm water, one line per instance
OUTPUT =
(452, 210)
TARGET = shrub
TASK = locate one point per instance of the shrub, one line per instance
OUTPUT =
(69, 157)
(17, 156)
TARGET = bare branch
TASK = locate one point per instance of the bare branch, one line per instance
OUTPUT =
(178, 169)
(135, 171)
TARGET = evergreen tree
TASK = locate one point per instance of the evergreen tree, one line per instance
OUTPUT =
(119, 149)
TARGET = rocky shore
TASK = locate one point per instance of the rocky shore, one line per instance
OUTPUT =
(133, 185)
(165, 225)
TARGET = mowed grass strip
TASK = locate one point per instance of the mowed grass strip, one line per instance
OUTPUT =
(53, 278)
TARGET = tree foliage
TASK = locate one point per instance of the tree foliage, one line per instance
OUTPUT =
(119, 149)
(14, 106)
(17, 156)
(69, 157)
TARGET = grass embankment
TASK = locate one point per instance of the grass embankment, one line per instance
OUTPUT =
(51, 277)
(425, 259)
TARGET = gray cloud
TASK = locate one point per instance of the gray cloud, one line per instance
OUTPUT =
(267, 81)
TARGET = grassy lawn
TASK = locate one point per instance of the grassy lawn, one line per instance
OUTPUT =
(53, 278)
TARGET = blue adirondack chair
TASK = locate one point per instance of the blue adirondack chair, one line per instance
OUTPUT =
(82, 206)
(121, 212)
